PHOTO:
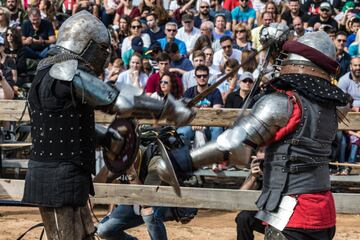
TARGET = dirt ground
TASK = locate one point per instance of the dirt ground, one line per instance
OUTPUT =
(208, 225)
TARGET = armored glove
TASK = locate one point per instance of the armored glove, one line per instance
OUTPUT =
(276, 33)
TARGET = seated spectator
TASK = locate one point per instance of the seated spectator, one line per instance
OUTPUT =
(206, 28)
(212, 100)
(168, 85)
(251, 65)
(37, 35)
(87, 5)
(4, 20)
(17, 14)
(272, 8)
(237, 99)
(243, 14)
(323, 18)
(242, 37)
(299, 29)
(170, 32)
(202, 42)
(123, 29)
(267, 18)
(179, 64)
(112, 72)
(135, 31)
(204, 14)
(155, 32)
(354, 27)
(126, 8)
(188, 33)
(137, 46)
(226, 52)
(311, 7)
(188, 78)
(7, 64)
(209, 57)
(231, 83)
(153, 83)
(342, 57)
(109, 10)
(220, 30)
(354, 47)
(135, 75)
(216, 8)
(294, 11)
(6, 87)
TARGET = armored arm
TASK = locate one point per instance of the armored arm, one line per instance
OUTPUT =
(268, 115)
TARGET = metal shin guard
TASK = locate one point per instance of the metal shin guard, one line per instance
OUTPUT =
(272, 233)
(68, 223)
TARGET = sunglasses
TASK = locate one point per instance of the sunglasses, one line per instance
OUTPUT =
(324, 10)
(202, 75)
(241, 31)
(171, 30)
(204, 7)
(341, 40)
(136, 26)
(225, 47)
(164, 82)
(247, 81)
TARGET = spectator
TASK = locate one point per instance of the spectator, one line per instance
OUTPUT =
(242, 37)
(323, 18)
(4, 20)
(227, 51)
(220, 30)
(37, 35)
(354, 27)
(231, 82)
(168, 85)
(271, 8)
(209, 57)
(170, 31)
(251, 65)
(47, 10)
(298, 25)
(135, 31)
(155, 32)
(204, 14)
(354, 47)
(188, 33)
(17, 14)
(267, 18)
(202, 42)
(153, 82)
(237, 99)
(342, 57)
(123, 28)
(109, 10)
(216, 8)
(212, 100)
(243, 14)
(126, 8)
(149, 5)
(162, 15)
(179, 64)
(6, 90)
(137, 46)
(135, 75)
(87, 5)
(230, 4)
(113, 70)
(312, 7)
(294, 11)
(188, 78)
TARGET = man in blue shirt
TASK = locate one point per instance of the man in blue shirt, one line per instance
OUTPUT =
(170, 32)
(243, 14)
(179, 64)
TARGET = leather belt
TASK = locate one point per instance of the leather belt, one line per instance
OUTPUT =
(304, 69)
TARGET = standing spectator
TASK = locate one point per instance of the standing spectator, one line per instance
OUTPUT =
(179, 64)
(188, 78)
(37, 35)
(152, 84)
(298, 27)
(220, 28)
(212, 100)
(294, 11)
(17, 14)
(155, 32)
(168, 85)
(135, 75)
(4, 20)
(243, 14)
(204, 14)
(226, 52)
(188, 33)
(126, 8)
(267, 18)
(242, 37)
(323, 18)
(237, 99)
(135, 30)
(342, 57)
(170, 31)
(216, 8)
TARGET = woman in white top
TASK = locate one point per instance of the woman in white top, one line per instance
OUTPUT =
(168, 84)
(135, 31)
(135, 75)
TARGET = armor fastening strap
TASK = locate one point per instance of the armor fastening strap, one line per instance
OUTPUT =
(61, 57)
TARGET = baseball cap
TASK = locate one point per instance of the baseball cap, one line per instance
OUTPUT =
(325, 5)
(187, 17)
(246, 75)
(137, 44)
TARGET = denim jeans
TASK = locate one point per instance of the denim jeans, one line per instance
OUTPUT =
(353, 153)
(123, 217)
(211, 133)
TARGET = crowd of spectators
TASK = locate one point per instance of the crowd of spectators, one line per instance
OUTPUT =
(186, 44)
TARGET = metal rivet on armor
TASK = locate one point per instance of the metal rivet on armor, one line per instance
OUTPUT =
(50, 154)
(80, 115)
(61, 154)
(61, 115)
(61, 141)
(80, 127)
(41, 114)
(71, 115)
(40, 129)
(50, 141)
(50, 115)
(81, 151)
(41, 141)
(72, 153)
(80, 140)
(283, 157)
(50, 129)
(41, 154)
(72, 140)
(71, 128)
(61, 129)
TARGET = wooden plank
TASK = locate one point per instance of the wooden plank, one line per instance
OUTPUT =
(353, 165)
(11, 110)
(16, 144)
(222, 199)
(14, 163)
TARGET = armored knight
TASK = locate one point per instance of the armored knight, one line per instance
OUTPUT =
(296, 119)
(62, 99)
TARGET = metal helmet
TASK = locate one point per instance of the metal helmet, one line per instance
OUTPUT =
(318, 40)
(85, 35)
